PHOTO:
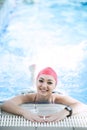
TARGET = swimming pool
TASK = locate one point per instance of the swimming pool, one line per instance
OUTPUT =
(44, 33)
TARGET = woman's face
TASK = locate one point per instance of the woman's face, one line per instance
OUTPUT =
(45, 84)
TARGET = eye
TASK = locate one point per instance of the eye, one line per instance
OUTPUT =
(50, 83)
(41, 81)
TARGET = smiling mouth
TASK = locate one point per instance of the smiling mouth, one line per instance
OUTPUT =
(43, 90)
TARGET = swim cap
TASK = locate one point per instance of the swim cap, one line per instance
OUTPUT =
(48, 71)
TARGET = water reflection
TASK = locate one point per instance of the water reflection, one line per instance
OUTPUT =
(46, 33)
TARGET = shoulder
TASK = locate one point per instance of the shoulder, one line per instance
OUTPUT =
(60, 98)
(29, 97)
(57, 97)
(24, 98)
(65, 99)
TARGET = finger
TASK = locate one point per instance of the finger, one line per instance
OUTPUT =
(48, 116)
(54, 119)
(38, 119)
(51, 119)
(40, 116)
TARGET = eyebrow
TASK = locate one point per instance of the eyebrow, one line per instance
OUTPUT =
(48, 79)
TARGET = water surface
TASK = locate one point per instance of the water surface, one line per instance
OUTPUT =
(44, 33)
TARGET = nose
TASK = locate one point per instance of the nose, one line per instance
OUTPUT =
(44, 85)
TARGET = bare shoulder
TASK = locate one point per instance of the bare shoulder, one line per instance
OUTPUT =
(58, 97)
(23, 98)
(64, 99)
(28, 97)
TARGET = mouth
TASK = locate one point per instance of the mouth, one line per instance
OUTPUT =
(43, 90)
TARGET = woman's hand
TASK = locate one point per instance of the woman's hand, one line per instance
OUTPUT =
(57, 116)
(32, 117)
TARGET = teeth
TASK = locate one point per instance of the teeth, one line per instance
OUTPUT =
(43, 90)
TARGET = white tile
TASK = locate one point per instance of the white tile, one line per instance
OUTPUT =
(54, 128)
(17, 128)
(82, 128)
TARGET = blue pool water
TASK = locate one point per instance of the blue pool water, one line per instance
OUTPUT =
(45, 33)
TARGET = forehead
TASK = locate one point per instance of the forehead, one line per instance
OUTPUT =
(46, 77)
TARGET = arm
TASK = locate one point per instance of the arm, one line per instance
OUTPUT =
(75, 105)
(13, 106)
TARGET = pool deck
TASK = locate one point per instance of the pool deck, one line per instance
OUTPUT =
(13, 122)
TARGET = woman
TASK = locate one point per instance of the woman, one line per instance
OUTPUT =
(46, 82)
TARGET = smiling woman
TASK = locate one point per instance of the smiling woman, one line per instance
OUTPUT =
(51, 31)
(46, 82)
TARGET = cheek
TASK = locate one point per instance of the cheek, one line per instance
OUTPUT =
(53, 87)
(37, 84)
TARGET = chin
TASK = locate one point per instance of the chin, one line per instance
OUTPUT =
(43, 93)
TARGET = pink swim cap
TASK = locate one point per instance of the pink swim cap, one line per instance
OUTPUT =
(48, 71)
